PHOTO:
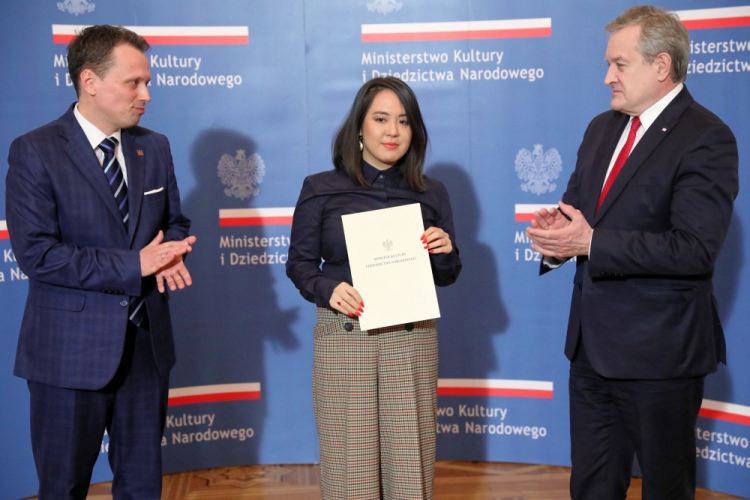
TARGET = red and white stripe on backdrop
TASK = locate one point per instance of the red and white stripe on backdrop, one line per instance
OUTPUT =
(729, 412)
(169, 35)
(3, 230)
(525, 212)
(717, 410)
(725, 17)
(214, 393)
(256, 216)
(495, 387)
(461, 30)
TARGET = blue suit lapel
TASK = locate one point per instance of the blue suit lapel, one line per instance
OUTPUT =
(84, 158)
(136, 177)
(648, 143)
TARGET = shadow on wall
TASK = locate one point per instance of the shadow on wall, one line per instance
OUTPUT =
(472, 310)
(222, 322)
(719, 385)
(726, 282)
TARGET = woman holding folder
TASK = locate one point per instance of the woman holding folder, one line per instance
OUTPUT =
(374, 392)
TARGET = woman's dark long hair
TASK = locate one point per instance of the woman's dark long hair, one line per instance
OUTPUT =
(346, 153)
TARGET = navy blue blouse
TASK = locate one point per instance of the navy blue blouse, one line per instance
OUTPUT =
(318, 233)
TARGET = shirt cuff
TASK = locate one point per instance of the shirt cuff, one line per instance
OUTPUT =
(553, 262)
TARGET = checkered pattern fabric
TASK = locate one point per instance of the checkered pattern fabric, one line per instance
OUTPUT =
(375, 398)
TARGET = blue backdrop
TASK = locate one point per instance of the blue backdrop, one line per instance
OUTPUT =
(260, 88)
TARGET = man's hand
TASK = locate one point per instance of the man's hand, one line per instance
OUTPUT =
(157, 255)
(174, 274)
(549, 219)
(555, 236)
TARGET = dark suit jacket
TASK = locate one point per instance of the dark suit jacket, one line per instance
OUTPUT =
(83, 266)
(643, 299)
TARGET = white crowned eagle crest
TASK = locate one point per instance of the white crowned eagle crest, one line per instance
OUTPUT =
(538, 169)
(242, 174)
(384, 6)
(76, 6)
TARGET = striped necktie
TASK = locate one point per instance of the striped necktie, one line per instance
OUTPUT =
(116, 178)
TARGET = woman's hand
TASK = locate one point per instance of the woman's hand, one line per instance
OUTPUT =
(437, 241)
(346, 299)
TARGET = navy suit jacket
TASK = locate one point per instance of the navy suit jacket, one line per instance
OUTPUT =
(83, 265)
(643, 299)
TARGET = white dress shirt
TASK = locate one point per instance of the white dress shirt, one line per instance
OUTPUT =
(648, 117)
(96, 136)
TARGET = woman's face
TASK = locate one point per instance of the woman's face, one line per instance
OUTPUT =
(386, 134)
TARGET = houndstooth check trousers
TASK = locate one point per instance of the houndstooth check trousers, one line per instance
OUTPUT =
(375, 399)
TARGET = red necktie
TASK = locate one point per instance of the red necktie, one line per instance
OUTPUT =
(621, 159)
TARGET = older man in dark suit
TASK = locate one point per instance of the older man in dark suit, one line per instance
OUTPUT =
(94, 220)
(645, 213)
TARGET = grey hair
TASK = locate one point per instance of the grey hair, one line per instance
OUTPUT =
(661, 31)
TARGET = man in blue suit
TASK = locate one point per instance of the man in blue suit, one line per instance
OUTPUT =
(93, 213)
(645, 213)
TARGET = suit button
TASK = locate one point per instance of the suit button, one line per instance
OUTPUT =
(348, 327)
(409, 327)
(124, 303)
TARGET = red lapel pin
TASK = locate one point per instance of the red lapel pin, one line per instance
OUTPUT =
(139, 151)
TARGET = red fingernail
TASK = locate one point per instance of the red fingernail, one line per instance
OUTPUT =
(427, 246)
(358, 313)
(362, 304)
(350, 315)
(430, 251)
(361, 310)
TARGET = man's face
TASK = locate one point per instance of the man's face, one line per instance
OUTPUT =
(120, 96)
(635, 86)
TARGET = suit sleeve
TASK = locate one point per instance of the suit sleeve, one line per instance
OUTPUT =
(702, 196)
(36, 238)
(570, 197)
(175, 226)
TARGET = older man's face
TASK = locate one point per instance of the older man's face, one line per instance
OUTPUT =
(635, 86)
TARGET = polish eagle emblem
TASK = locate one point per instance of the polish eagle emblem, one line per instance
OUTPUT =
(76, 6)
(538, 168)
(384, 6)
(242, 174)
